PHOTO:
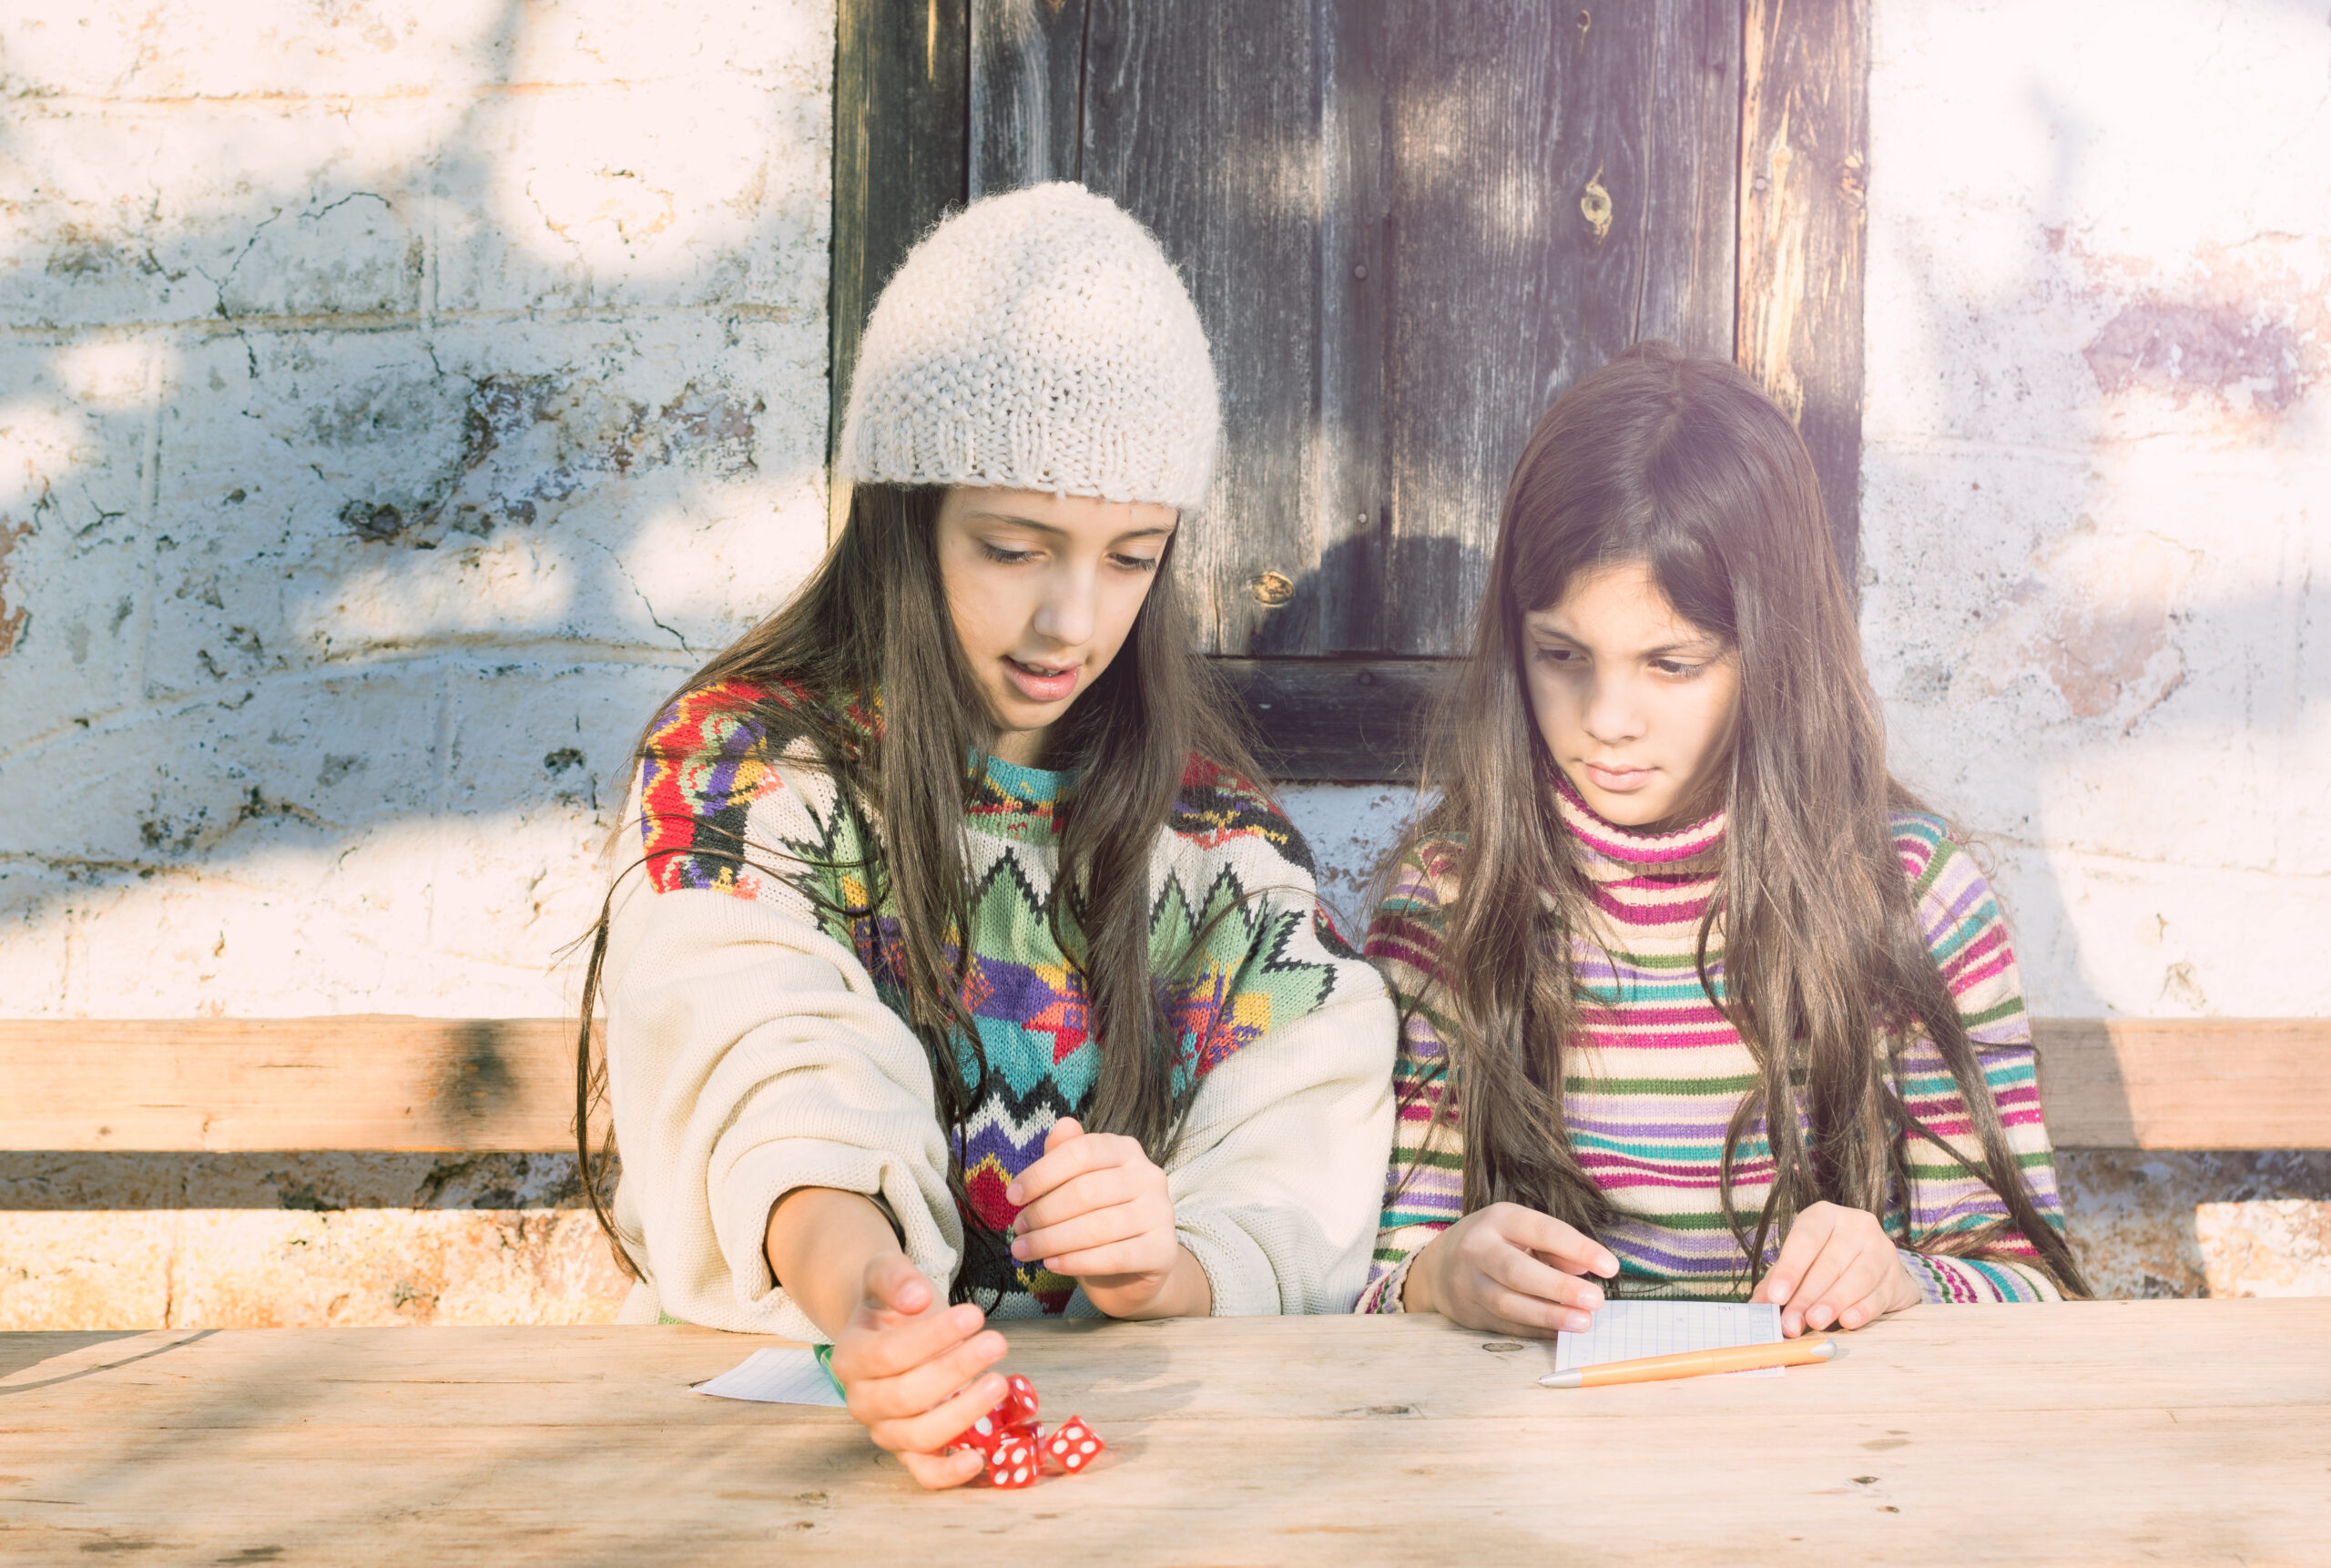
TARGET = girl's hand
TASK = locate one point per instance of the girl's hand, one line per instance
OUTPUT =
(1096, 1209)
(1511, 1271)
(1837, 1266)
(915, 1372)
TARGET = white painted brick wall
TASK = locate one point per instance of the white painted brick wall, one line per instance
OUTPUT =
(395, 402)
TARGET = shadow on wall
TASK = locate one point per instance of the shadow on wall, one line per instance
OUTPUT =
(391, 409)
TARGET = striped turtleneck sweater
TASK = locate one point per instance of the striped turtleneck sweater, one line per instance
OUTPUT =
(1647, 1099)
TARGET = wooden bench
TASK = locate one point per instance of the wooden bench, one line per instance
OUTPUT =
(377, 1082)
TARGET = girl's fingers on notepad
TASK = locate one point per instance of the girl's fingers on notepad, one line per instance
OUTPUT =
(1526, 1274)
(1799, 1247)
(1890, 1289)
(1510, 1312)
(1860, 1281)
(1810, 1307)
(1833, 1260)
(1501, 1268)
(1562, 1244)
(1869, 1309)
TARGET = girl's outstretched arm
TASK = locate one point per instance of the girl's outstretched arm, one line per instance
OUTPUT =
(749, 1054)
(913, 1371)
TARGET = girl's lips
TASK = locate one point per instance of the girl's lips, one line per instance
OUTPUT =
(1042, 687)
(1619, 781)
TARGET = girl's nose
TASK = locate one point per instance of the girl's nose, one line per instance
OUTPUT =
(1066, 613)
(1612, 716)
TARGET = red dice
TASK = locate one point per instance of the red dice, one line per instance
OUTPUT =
(1012, 1461)
(1015, 1449)
(984, 1433)
(1073, 1445)
(1016, 1409)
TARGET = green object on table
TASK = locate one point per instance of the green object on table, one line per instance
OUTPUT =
(825, 1354)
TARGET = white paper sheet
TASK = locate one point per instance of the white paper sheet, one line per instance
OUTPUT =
(1625, 1330)
(775, 1376)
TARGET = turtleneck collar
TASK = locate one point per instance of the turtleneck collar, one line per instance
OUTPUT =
(1608, 852)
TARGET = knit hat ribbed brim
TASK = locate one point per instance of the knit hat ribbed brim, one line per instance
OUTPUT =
(1036, 341)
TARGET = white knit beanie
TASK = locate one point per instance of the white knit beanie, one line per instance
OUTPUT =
(1036, 341)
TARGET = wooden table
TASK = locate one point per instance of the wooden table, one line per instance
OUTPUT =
(2187, 1432)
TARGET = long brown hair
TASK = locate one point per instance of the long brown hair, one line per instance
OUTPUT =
(1683, 465)
(872, 625)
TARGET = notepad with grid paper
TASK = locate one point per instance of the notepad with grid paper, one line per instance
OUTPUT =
(1628, 1330)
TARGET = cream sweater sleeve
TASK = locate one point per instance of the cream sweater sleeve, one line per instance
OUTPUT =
(1278, 1178)
(748, 1056)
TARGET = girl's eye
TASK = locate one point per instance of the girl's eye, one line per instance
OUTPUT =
(1002, 556)
(1136, 563)
(1677, 668)
(1559, 656)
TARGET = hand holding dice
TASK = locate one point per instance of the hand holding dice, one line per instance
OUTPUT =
(1017, 1450)
(913, 1370)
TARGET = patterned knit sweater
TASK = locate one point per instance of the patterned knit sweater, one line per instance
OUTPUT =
(1647, 1100)
(757, 1039)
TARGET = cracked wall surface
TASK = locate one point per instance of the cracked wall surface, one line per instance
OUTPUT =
(396, 401)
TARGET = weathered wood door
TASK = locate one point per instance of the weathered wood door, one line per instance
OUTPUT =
(1408, 224)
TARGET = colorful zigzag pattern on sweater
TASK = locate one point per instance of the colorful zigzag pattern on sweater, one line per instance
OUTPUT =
(1234, 959)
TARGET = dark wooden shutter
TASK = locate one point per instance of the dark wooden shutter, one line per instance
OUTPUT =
(1407, 226)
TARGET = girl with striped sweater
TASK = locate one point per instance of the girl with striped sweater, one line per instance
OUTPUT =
(1697, 1001)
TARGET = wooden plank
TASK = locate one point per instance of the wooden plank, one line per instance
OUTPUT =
(1352, 510)
(1804, 157)
(1233, 1441)
(2121, 1488)
(373, 1082)
(1359, 721)
(386, 1083)
(625, 1376)
(1692, 185)
(2186, 1082)
(1027, 64)
(1203, 120)
(1526, 148)
(901, 85)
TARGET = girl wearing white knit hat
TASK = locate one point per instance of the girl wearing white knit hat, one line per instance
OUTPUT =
(963, 973)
